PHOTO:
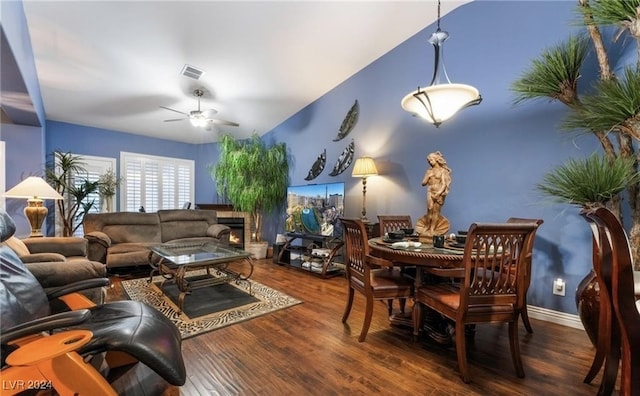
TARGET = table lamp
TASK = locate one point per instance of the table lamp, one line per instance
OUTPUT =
(364, 167)
(36, 190)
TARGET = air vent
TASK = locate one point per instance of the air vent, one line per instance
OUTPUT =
(192, 72)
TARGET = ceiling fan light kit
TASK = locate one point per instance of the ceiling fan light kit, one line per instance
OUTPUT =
(200, 118)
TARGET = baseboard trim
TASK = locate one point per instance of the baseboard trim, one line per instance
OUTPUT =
(549, 315)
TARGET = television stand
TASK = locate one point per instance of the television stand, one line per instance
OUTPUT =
(312, 253)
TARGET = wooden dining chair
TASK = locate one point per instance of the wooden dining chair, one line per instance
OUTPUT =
(527, 277)
(374, 277)
(490, 290)
(613, 266)
(387, 223)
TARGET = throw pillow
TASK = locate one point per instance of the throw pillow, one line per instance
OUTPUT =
(17, 246)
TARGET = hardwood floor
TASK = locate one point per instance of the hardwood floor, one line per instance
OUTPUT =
(306, 350)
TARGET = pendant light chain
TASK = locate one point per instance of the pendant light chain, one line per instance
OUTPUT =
(438, 16)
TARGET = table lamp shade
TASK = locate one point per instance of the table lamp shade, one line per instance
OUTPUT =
(35, 189)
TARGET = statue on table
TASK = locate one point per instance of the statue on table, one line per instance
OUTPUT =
(437, 179)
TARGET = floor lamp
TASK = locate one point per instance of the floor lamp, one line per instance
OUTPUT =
(363, 168)
(36, 190)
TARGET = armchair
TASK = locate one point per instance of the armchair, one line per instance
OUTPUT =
(33, 250)
(137, 349)
(56, 262)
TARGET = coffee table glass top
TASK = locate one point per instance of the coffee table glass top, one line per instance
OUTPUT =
(193, 254)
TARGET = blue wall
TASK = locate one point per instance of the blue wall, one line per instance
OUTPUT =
(85, 140)
(497, 152)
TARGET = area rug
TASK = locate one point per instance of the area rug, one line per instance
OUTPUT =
(209, 308)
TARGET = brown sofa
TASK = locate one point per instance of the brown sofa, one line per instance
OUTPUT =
(123, 239)
(58, 262)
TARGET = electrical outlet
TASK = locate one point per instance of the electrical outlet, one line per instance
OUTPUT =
(559, 287)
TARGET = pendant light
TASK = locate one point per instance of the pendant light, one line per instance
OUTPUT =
(442, 99)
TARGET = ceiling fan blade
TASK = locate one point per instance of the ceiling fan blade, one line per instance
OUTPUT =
(177, 111)
(218, 121)
(175, 119)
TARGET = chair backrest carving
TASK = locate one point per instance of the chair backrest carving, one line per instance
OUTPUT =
(356, 250)
(388, 223)
(494, 258)
(538, 222)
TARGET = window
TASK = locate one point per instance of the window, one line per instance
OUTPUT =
(95, 167)
(155, 183)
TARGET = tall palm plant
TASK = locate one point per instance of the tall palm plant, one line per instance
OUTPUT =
(65, 172)
(610, 110)
(589, 182)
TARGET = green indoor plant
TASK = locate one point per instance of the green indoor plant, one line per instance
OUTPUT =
(589, 182)
(65, 172)
(252, 176)
(609, 108)
(108, 184)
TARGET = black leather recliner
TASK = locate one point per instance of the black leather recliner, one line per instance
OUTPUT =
(146, 344)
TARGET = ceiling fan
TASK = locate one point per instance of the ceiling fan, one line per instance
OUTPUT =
(200, 118)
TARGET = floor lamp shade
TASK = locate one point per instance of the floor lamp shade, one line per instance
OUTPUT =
(364, 167)
(36, 190)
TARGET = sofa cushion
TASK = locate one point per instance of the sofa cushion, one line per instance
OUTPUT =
(124, 227)
(17, 246)
(42, 257)
(180, 223)
(66, 246)
(129, 254)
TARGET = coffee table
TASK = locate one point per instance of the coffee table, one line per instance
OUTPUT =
(177, 259)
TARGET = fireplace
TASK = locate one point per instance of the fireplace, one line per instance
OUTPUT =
(236, 238)
(239, 222)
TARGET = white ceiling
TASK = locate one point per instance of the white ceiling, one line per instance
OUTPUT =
(111, 64)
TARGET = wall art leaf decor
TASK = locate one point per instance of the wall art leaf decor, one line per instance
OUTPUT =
(344, 160)
(349, 121)
(317, 166)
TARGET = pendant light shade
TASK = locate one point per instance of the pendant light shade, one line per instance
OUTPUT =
(438, 103)
(442, 99)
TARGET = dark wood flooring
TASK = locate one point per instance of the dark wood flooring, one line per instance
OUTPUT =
(306, 350)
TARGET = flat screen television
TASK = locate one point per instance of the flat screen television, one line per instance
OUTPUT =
(315, 208)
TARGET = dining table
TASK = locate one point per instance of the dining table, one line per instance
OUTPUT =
(432, 264)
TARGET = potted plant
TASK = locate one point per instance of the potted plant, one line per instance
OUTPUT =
(66, 174)
(587, 183)
(610, 110)
(253, 177)
(108, 183)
